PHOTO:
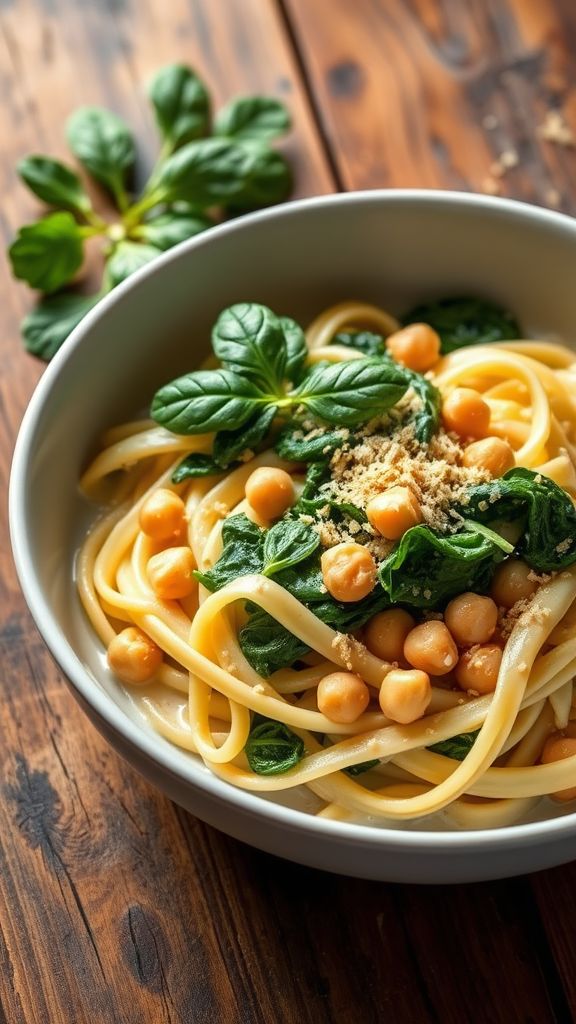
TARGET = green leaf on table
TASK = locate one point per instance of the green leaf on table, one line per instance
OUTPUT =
(229, 445)
(267, 178)
(48, 253)
(206, 400)
(272, 748)
(104, 145)
(181, 105)
(462, 321)
(208, 172)
(126, 258)
(349, 393)
(54, 183)
(287, 543)
(252, 117)
(171, 228)
(48, 325)
(248, 339)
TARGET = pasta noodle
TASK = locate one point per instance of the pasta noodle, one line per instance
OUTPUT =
(205, 688)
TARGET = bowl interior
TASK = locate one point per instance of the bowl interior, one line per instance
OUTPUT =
(393, 249)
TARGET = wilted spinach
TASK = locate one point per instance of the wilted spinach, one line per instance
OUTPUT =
(272, 748)
(461, 321)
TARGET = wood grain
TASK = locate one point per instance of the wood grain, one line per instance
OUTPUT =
(115, 905)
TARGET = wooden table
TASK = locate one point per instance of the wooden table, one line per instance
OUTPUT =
(116, 906)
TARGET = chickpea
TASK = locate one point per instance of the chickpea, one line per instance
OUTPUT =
(512, 583)
(342, 696)
(416, 346)
(270, 492)
(430, 647)
(556, 748)
(466, 413)
(133, 656)
(478, 669)
(393, 512)
(385, 634)
(471, 618)
(492, 454)
(348, 572)
(405, 694)
(163, 515)
(170, 573)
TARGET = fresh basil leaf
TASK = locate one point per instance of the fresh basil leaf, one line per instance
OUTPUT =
(248, 339)
(296, 348)
(362, 341)
(287, 543)
(461, 321)
(272, 748)
(208, 172)
(47, 254)
(456, 747)
(350, 393)
(171, 228)
(206, 400)
(48, 325)
(293, 444)
(104, 145)
(269, 646)
(358, 769)
(427, 419)
(252, 117)
(54, 183)
(426, 568)
(231, 444)
(125, 259)
(194, 465)
(181, 105)
(543, 510)
(242, 553)
(267, 178)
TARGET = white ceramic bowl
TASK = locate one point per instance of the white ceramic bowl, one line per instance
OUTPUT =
(392, 248)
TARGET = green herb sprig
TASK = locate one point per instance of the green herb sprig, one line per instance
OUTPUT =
(205, 164)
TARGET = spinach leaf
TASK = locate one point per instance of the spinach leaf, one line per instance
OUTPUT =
(248, 339)
(231, 444)
(126, 258)
(54, 183)
(346, 394)
(206, 400)
(427, 419)
(461, 321)
(242, 554)
(208, 172)
(47, 326)
(358, 769)
(103, 144)
(287, 543)
(456, 747)
(293, 444)
(195, 465)
(427, 568)
(296, 348)
(252, 117)
(47, 254)
(171, 228)
(363, 341)
(272, 748)
(181, 105)
(543, 510)
(268, 645)
(267, 178)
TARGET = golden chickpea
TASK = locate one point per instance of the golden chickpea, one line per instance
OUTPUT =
(430, 647)
(405, 694)
(512, 583)
(133, 656)
(163, 515)
(466, 413)
(385, 634)
(478, 669)
(492, 454)
(270, 492)
(471, 618)
(342, 696)
(348, 572)
(557, 748)
(170, 573)
(393, 512)
(416, 346)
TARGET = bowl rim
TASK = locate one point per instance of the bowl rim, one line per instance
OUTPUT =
(101, 703)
